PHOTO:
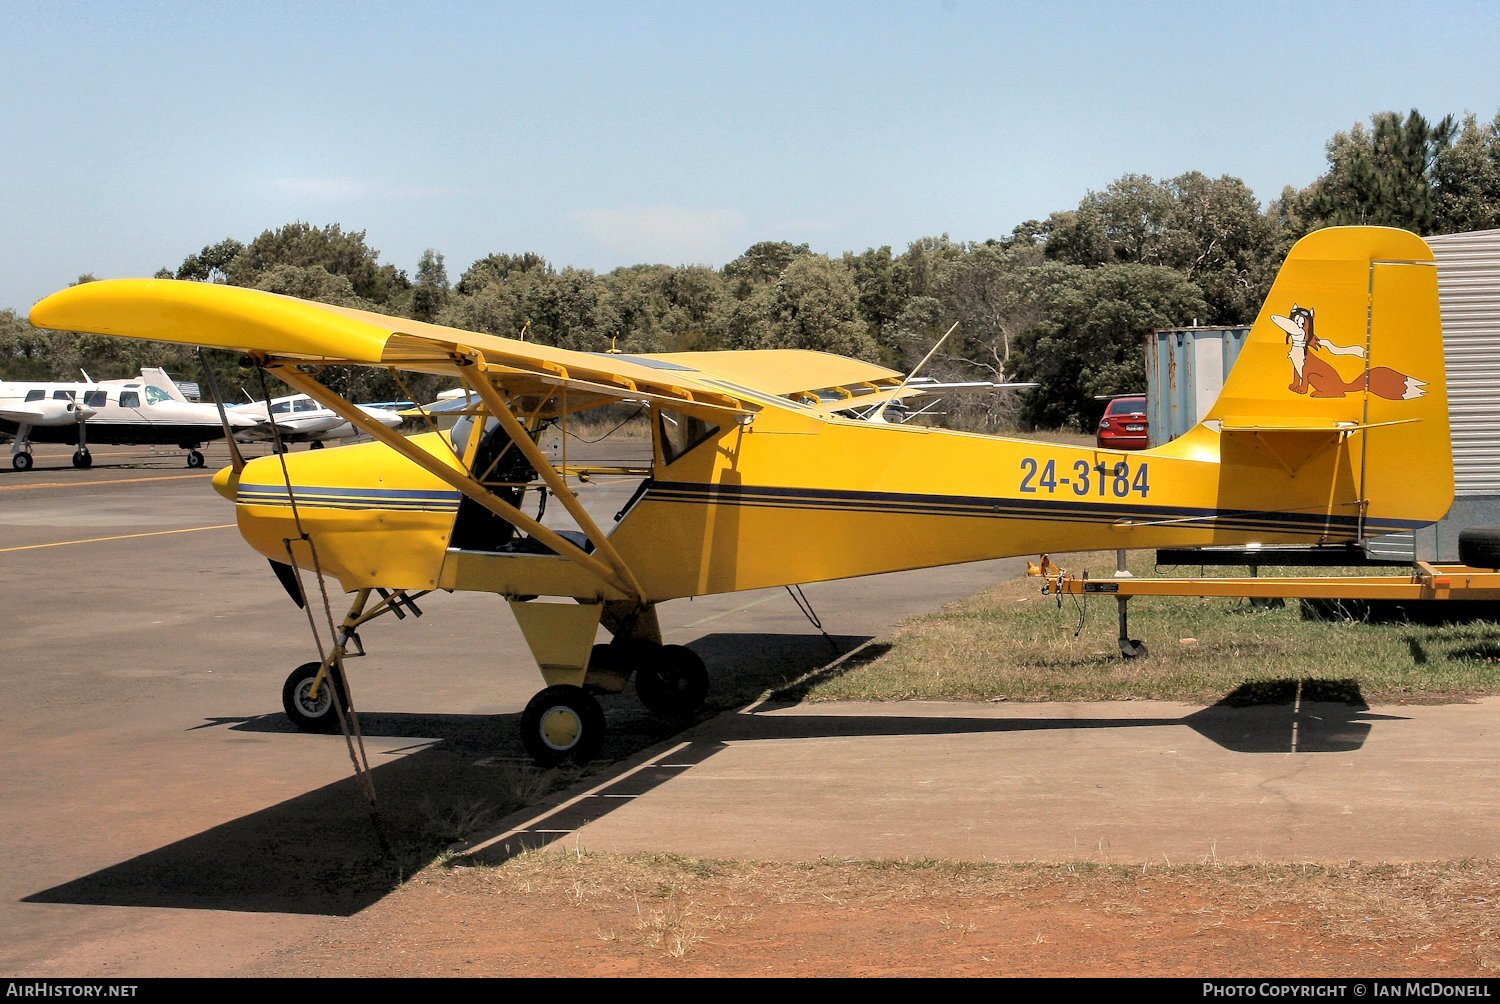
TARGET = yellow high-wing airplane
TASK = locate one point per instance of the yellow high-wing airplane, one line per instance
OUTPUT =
(1332, 427)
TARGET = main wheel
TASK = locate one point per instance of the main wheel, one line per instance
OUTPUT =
(308, 713)
(21, 461)
(83, 459)
(562, 724)
(672, 681)
(194, 458)
(316, 445)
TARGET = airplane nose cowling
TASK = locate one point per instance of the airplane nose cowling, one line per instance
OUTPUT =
(227, 483)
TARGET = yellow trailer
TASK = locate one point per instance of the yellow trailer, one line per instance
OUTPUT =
(1425, 582)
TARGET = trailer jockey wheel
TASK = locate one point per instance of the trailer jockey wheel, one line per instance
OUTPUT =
(562, 724)
(671, 681)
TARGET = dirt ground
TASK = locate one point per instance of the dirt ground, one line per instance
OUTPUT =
(562, 914)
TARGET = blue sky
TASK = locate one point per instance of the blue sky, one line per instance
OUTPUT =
(602, 134)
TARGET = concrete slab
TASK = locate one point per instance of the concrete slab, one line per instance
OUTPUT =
(1113, 782)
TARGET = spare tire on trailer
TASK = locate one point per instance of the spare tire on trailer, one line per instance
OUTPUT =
(1479, 547)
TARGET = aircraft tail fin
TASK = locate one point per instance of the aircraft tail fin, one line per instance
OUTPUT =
(1348, 348)
(157, 376)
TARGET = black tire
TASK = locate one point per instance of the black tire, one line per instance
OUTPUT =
(194, 459)
(562, 724)
(82, 459)
(21, 461)
(672, 681)
(309, 715)
(1479, 547)
(317, 445)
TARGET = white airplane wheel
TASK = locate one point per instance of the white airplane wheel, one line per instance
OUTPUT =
(194, 458)
(562, 724)
(671, 681)
(21, 461)
(308, 713)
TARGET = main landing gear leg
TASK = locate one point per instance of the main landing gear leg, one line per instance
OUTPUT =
(20, 450)
(563, 723)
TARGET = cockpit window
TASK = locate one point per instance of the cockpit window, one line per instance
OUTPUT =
(281, 407)
(155, 395)
(304, 404)
(130, 399)
(680, 433)
(96, 398)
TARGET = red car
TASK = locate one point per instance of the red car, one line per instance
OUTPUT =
(1123, 426)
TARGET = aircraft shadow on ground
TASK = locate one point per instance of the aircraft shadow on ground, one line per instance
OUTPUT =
(320, 852)
(324, 853)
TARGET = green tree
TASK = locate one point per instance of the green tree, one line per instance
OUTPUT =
(212, 263)
(569, 309)
(882, 290)
(1211, 230)
(1383, 174)
(501, 268)
(815, 306)
(1467, 175)
(429, 294)
(26, 353)
(302, 245)
(762, 263)
(1092, 341)
(310, 282)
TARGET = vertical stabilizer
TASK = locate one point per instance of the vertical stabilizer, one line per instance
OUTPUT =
(1350, 340)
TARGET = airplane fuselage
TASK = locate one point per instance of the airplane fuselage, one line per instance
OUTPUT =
(794, 499)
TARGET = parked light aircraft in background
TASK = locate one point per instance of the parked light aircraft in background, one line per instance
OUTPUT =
(753, 486)
(149, 410)
(300, 419)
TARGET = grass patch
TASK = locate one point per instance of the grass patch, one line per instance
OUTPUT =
(1011, 642)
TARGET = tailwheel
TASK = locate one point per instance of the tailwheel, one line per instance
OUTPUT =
(308, 712)
(671, 680)
(562, 724)
(82, 459)
(194, 458)
(21, 461)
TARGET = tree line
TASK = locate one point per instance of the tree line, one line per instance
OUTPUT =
(1064, 301)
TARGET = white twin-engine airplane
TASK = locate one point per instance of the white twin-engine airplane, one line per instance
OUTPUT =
(148, 410)
(300, 419)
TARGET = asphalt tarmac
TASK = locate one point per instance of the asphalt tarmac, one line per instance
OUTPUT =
(159, 817)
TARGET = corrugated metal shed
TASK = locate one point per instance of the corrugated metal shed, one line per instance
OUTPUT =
(1469, 294)
(1469, 300)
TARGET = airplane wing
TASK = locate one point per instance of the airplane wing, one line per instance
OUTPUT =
(296, 332)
